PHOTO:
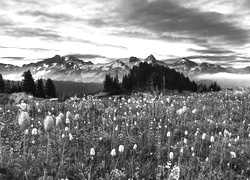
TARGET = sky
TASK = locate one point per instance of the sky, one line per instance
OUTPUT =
(104, 30)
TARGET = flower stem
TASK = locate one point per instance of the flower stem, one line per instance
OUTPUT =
(1, 161)
(47, 158)
(24, 147)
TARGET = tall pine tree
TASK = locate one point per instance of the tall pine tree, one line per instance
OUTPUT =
(50, 89)
(2, 84)
(40, 88)
(28, 83)
(108, 83)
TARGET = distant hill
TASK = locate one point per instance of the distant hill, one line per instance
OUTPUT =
(70, 88)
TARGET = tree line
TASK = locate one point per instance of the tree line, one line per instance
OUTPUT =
(29, 86)
(148, 77)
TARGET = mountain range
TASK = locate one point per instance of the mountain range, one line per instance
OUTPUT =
(70, 68)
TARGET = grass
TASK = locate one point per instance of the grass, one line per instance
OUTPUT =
(164, 137)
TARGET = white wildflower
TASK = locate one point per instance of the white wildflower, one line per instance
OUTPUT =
(92, 152)
(113, 152)
(121, 149)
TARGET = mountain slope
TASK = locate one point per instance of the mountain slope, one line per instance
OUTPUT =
(70, 68)
(190, 68)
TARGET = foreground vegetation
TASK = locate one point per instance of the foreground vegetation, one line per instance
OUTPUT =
(194, 136)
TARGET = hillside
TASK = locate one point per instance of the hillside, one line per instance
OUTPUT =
(70, 88)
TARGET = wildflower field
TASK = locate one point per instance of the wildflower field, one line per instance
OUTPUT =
(143, 136)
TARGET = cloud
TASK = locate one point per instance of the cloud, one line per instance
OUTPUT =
(227, 79)
(16, 58)
(222, 60)
(165, 17)
(34, 32)
(49, 16)
(5, 21)
(33, 49)
(211, 51)
(86, 56)
(72, 39)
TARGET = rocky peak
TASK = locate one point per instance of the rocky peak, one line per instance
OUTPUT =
(150, 58)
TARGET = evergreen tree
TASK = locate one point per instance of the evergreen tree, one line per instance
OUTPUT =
(108, 83)
(19, 87)
(50, 89)
(40, 88)
(8, 87)
(28, 83)
(155, 77)
(13, 87)
(214, 87)
(2, 84)
(116, 86)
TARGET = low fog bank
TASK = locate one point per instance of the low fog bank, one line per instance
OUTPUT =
(13, 77)
(226, 80)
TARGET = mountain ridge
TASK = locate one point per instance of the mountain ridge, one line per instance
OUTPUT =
(70, 68)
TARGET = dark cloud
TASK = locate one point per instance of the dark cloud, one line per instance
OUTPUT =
(168, 17)
(214, 58)
(111, 45)
(33, 49)
(97, 22)
(246, 4)
(34, 32)
(16, 58)
(211, 51)
(86, 56)
(49, 16)
(133, 34)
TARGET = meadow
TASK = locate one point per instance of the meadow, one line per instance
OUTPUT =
(142, 136)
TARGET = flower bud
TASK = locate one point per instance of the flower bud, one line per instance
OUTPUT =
(70, 137)
(121, 148)
(61, 115)
(59, 123)
(68, 115)
(48, 124)
(171, 155)
(233, 155)
(135, 146)
(212, 139)
(23, 120)
(67, 121)
(168, 134)
(77, 117)
(26, 131)
(34, 131)
(113, 153)
(92, 152)
(204, 136)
